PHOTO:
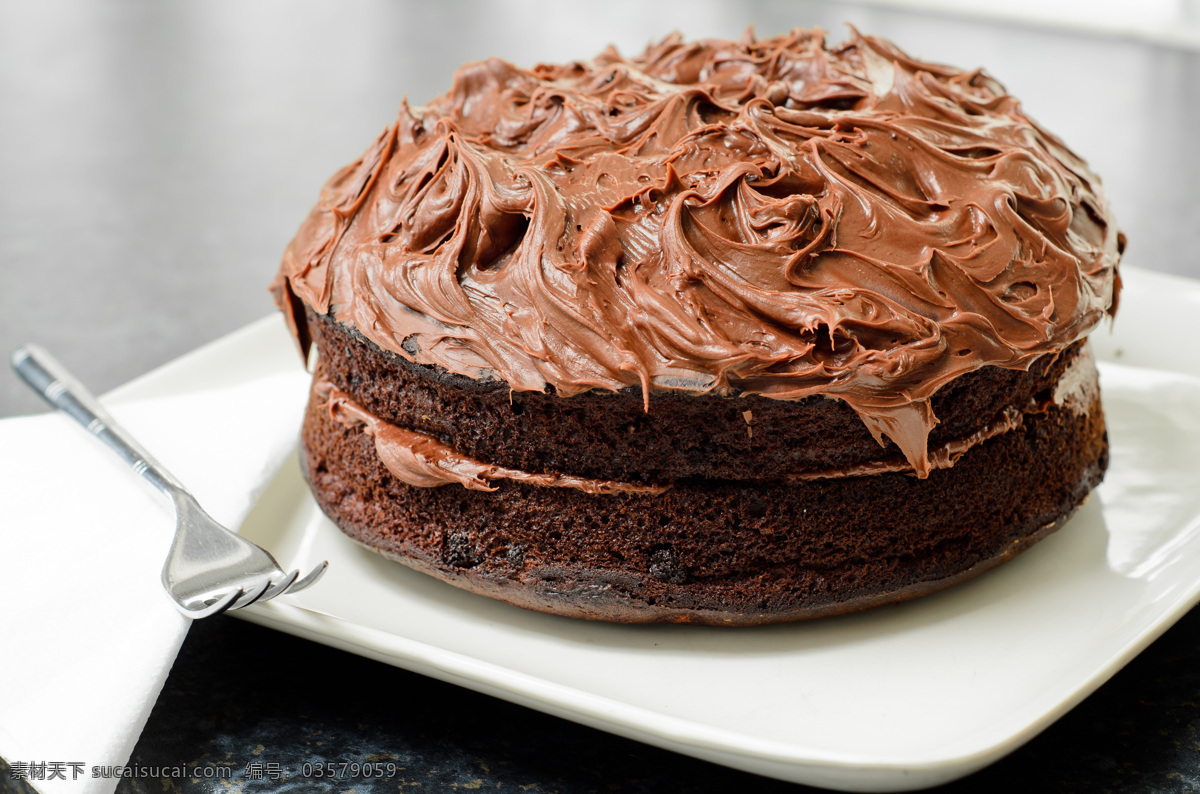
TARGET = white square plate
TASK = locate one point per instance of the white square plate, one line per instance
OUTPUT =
(897, 698)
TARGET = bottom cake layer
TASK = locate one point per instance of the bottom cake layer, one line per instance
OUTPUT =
(714, 552)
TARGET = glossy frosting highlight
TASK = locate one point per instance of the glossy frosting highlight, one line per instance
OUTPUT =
(775, 217)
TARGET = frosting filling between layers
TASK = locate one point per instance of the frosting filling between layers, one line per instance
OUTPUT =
(422, 461)
(425, 462)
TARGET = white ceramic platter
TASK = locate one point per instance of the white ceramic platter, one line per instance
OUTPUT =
(897, 698)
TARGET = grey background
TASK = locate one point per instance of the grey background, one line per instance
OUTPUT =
(155, 159)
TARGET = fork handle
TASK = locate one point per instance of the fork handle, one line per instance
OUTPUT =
(61, 390)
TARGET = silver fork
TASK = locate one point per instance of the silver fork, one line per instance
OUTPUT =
(209, 568)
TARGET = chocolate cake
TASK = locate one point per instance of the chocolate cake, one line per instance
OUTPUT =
(728, 333)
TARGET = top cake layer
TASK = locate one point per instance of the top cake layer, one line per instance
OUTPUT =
(774, 217)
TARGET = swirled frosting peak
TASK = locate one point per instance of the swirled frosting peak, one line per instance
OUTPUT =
(772, 216)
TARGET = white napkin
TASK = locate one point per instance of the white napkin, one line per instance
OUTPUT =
(88, 634)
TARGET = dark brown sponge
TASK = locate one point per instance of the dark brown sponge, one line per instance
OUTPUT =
(609, 435)
(715, 551)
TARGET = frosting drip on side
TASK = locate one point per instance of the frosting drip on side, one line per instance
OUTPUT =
(776, 217)
(1078, 390)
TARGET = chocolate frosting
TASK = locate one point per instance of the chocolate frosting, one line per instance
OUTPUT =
(775, 217)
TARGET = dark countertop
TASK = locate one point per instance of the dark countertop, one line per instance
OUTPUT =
(1138, 733)
(156, 159)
